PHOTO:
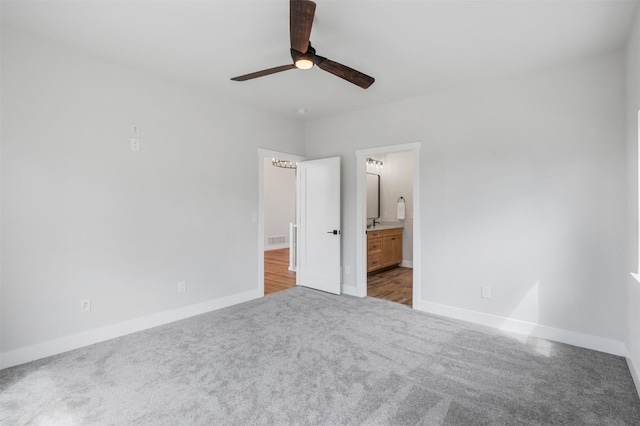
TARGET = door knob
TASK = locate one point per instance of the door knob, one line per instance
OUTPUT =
(334, 232)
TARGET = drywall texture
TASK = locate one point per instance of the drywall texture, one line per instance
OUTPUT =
(633, 108)
(84, 216)
(279, 201)
(522, 189)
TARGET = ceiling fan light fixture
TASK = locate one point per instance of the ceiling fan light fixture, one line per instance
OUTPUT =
(303, 55)
(303, 63)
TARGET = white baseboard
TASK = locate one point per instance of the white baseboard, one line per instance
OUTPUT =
(635, 372)
(407, 263)
(75, 341)
(349, 290)
(276, 247)
(587, 341)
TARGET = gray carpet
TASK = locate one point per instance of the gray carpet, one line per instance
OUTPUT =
(303, 357)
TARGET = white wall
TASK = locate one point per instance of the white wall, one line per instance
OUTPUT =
(279, 201)
(84, 216)
(396, 180)
(522, 189)
(633, 287)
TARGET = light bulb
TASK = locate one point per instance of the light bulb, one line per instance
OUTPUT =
(304, 63)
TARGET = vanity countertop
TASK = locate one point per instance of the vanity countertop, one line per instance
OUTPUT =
(384, 227)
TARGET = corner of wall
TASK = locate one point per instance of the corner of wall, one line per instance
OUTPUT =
(632, 289)
(635, 373)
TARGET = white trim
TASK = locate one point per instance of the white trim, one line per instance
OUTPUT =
(510, 325)
(636, 169)
(349, 290)
(406, 264)
(635, 373)
(262, 154)
(75, 341)
(361, 221)
(361, 226)
(276, 247)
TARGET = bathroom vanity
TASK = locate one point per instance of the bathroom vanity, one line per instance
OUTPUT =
(384, 247)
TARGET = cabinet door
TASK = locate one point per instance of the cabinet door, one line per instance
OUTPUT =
(391, 250)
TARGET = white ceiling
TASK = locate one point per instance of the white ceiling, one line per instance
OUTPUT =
(410, 47)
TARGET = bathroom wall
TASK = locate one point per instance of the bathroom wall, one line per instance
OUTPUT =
(396, 180)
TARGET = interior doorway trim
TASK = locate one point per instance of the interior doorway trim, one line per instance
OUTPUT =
(361, 215)
(262, 154)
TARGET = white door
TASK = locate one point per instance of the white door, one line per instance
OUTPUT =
(319, 225)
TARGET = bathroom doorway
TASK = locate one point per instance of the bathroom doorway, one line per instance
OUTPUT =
(389, 237)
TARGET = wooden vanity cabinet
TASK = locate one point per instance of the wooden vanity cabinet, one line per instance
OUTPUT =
(374, 250)
(391, 247)
(384, 248)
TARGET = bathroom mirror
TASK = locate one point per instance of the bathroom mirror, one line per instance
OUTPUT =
(373, 196)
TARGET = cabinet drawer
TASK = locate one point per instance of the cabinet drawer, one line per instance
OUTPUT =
(374, 234)
(373, 262)
(392, 232)
(374, 246)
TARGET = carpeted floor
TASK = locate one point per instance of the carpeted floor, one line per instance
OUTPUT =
(304, 357)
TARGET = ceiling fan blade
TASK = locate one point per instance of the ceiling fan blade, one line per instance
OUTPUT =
(263, 72)
(300, 20)
(344, 72)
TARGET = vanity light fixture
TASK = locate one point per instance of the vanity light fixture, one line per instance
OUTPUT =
(374, 166)
(374, 162)
(284, 164)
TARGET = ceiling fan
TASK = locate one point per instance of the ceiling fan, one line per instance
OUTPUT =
(304, 56)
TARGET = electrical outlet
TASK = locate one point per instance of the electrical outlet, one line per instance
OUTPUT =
(182, 287)
(346, 269)
(85, 305)
(135, 144)
(135, 130)
(485, 292)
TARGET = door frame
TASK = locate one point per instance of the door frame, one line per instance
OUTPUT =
(361, 215)
(262, 154)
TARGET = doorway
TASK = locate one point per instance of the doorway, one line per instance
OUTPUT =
(390, 227)
(277, 220)
(317, 240)
(387, 259)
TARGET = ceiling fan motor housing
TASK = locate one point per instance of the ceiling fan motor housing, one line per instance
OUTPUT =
(304, 60)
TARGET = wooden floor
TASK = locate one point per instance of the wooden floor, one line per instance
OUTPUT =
(277, 276)
(394, 284)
